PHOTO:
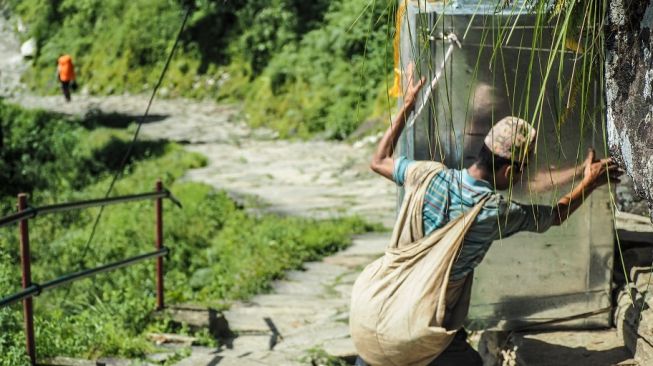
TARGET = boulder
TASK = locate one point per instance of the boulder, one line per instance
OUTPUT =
(28, 48)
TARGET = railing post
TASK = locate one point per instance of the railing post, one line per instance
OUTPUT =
(159, 244)
(26, 266)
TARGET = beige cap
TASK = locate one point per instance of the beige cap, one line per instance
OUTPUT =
(511, 138)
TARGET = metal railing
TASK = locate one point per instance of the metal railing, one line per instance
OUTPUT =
(32, 289)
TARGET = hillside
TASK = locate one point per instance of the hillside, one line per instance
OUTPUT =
(300, 67)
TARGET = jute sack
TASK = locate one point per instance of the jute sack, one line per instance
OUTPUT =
(398, 303)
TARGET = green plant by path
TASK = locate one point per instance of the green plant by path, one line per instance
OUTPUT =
(219, 253)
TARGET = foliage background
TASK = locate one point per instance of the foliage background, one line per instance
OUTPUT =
(301, 67)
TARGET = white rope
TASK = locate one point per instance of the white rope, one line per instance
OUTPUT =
(453, 40)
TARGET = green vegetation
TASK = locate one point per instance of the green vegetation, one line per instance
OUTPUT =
(219, 253)
(301, 67)
(318, 356)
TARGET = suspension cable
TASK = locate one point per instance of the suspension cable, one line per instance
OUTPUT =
(133, 142)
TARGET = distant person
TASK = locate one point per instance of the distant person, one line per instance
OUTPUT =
(66, 75)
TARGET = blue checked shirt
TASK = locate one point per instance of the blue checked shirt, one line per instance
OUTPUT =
(453, 192)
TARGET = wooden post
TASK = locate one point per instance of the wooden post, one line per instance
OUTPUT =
(26, 266)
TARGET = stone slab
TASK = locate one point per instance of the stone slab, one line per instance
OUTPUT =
(67, 361)
(368, 245)
(285, 300)
(644, 352)
(312, 336)
(261, 320)
(578, 348)
(342, 347)
(349, 261)
(298, 288)
(215, 359)
(244, 345)
(198, 318)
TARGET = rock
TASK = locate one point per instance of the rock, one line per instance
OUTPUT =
(111, 361)
(20, 26)
(637, 257)
(160, 358)
(641, 278)
(578, 348)
(491, 346)
(633, 229)
(67, 361)
(629, 91)
(161, 338)
(341, 348)
(28, 48)
(634, 319)
(644, 352)
(198, 317)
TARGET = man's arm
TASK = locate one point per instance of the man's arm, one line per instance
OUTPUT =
(596, 174)
(382, 160)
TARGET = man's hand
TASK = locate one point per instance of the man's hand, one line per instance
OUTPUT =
(413, 86)
(598, 172)
(595, 174)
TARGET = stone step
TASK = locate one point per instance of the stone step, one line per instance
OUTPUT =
(264, 320)
(314, 288)
(210, 357)
(285, 300)
(323, 268)
(341, 348)
(244, 345)
(368, 245)
(316, 335)
(67, 361)
(302, 305)
(350, 261)
(198, 317)
(313, 276)
(577, 348)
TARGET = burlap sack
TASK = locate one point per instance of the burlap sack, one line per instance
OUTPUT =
(398, 302)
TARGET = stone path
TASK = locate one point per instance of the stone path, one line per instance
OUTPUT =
(307, 311)
(308, 178)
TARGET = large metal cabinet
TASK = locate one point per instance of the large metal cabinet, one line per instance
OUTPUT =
(528, 278)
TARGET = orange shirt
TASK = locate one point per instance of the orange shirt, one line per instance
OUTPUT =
(66, 69)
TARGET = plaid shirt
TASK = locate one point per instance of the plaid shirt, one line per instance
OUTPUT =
(453, 192)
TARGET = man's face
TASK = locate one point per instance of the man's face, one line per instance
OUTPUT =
(508, 176)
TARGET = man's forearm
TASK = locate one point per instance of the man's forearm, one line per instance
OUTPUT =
(571, 201)
(382, 161)
(389, 140)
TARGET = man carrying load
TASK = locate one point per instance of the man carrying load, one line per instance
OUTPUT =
(409, 306)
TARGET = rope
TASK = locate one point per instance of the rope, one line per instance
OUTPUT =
(453, 40)
(133, 141)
